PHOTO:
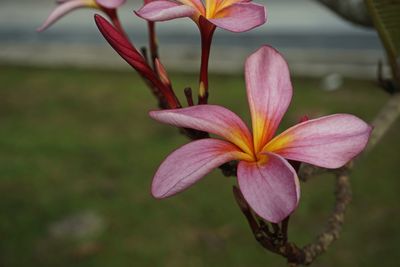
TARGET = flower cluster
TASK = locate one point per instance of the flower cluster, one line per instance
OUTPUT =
(265, 175)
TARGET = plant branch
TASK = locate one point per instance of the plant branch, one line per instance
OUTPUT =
(384, 120)
(335, 222)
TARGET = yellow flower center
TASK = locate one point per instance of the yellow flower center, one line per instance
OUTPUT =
(258, 150)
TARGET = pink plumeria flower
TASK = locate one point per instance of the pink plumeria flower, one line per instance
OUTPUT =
(231, 15)
(66, 6)
(268, 182)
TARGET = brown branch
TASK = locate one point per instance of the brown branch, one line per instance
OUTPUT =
(335, 221)
(307, 171)
(384, 120)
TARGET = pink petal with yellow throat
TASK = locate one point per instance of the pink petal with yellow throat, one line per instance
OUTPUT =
(209, 118)
(269, 92)
(328, 142)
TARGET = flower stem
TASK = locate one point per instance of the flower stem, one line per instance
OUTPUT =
(189, 97)
(206, 30)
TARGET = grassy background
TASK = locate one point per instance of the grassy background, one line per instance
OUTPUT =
(76, 142)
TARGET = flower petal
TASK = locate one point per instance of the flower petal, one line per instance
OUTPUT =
(190, 163)
(213, 6)
(240, 17)
(328, 142)
(269, 92)
(165, 10)
(111, 3)
(209, 118)
(197, 4)
(270, 186)
(225, 3)
(60, 11)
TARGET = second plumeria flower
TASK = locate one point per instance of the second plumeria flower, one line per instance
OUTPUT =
(231, 15)
(66, 6)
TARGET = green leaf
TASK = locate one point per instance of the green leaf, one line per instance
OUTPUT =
(386, 17)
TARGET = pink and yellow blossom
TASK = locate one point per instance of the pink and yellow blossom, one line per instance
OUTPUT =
(266, 179)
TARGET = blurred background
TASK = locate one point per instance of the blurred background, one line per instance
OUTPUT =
(295, 27)
(78, 151)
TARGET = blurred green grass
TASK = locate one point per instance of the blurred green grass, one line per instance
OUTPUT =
(73, 141)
